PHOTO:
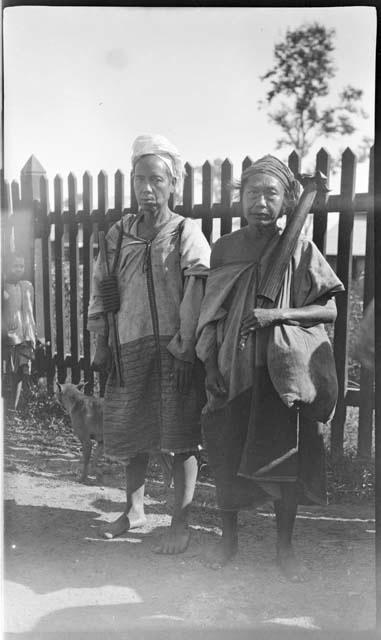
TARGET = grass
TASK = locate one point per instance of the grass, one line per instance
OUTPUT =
(350, 479)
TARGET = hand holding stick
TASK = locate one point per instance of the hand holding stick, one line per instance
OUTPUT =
(110, 314)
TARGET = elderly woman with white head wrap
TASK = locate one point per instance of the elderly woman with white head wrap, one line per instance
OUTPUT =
(252, 437)
(161, 260)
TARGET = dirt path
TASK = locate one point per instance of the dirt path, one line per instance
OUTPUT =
(60, 577)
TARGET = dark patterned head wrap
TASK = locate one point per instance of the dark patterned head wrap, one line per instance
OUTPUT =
(270, 165)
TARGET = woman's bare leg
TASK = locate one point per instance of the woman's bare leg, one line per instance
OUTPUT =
(22, 378)
(185, 470)
(285, 513)
(133, 515)
(227, 548)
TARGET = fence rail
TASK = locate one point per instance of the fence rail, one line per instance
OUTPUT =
(62, 274)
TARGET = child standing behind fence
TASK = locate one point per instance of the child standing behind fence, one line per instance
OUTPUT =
(19, 327)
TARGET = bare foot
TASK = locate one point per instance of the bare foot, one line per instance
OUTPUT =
(290, 567)
(121, 525)
(175, 541)
(223, 552)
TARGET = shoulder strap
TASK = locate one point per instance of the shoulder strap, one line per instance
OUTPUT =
(120, 238)
(131, 221)
(180, 230)
(118, 247)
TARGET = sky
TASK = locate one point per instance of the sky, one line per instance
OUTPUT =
(82, 82)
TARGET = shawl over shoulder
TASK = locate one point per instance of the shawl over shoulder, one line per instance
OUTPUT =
(231, 294)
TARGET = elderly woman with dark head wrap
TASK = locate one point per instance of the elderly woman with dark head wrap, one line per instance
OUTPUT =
(161, 260)
(250, 433)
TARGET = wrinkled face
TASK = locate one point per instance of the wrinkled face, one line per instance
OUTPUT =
(263, 200)
(16, 269)
(153, 184)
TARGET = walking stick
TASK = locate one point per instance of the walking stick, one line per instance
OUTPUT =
(110, 311)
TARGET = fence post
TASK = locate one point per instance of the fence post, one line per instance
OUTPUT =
(43, 277)
(364, 445)
(73, 271)
(207, 201)
(247, 162)
(294, 163)
(87, 258)
(58, 278)
(188, 191)
(344, 272)
(226, 196)
(102, 200)
(323, 164)
(24, 216)
(102, 226)
(119, 192)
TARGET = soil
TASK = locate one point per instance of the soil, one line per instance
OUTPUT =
(61, 577)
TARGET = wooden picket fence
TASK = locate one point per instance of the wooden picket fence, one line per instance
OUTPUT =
(50, 288)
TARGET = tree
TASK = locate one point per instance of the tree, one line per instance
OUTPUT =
(299, 83)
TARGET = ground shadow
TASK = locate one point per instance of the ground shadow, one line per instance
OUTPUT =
(135, 623)
(53, 557)
(48, 549)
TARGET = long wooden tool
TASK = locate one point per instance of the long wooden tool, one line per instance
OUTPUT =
(273, 278)
(113, 330)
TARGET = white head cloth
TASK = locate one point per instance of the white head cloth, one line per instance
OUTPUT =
(162, 148)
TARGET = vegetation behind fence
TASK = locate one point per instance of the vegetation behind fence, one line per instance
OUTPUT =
(60, 244)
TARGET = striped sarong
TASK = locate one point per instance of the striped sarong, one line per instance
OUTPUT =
(148, 414)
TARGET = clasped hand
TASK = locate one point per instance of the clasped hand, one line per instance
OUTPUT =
(259, 319)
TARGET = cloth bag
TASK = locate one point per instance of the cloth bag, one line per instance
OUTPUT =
(301, 365)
